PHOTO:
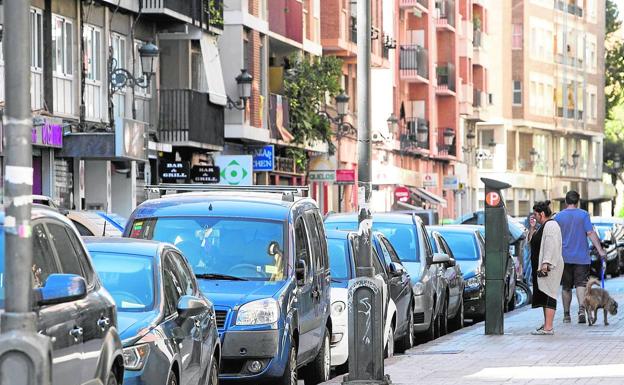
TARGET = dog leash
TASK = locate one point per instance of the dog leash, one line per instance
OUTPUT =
(602, 272)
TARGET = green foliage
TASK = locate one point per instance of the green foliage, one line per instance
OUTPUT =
(612, 17)
(215, 12)
(614, 88)
(306, 85)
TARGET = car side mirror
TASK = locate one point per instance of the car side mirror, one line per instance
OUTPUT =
(61, 288)
(441, 259)
(301, 272)
(396, 269)
(451, 262)
(190, 306)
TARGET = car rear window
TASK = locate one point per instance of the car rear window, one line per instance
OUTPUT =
(463, 245)
(339, 265)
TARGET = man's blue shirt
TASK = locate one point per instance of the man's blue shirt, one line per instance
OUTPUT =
(575, 224)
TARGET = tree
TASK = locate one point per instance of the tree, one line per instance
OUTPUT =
(307, 85)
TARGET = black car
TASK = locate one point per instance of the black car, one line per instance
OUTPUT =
(72, 306)
(168, 327)
(261, 258)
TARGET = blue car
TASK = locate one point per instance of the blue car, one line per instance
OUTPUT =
(261, 258)
(168, 329)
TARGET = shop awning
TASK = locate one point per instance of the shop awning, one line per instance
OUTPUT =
(408, 206)
(428, 196)
(212, 66)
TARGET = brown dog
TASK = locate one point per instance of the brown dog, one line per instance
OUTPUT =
(598, 298)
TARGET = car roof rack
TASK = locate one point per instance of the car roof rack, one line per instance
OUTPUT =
(288, 192)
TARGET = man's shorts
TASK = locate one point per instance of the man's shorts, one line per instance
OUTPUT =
(574, 275)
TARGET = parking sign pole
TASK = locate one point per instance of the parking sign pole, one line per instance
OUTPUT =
(24, 354)
(365, 300)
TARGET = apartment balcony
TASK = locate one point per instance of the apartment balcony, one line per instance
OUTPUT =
(445, 151)
(414, 64)
(445, 76)
(279, 118)
(465, 40)
(422, 5)
(286, 19)
(445, 15)
(288, 166)
(570, 7)
(569, 113)
(209, 13)
(416, 128)
(479, 48)
(187, 118)
(480, 103)
(466, 97)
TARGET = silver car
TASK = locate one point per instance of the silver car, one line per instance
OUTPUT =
(407, 234)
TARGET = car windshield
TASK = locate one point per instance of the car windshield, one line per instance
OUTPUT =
(401, 235)
(338, 258)
(232, 247)
(602, 231)
(128, 278)
(463, 245)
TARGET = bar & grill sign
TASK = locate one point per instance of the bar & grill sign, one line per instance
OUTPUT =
(174, 171)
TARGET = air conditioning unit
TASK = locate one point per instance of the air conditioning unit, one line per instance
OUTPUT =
(377, 137)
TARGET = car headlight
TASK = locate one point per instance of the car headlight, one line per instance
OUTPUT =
(473, 283)
(419, 288)
(261, 312)
(135, 356)
(337, 308)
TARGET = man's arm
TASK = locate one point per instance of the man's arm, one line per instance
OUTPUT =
(593, 237)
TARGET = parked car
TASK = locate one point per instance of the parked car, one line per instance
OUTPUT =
(611, 233)
(428, 216)
(94, 223)
(454, 282)
(167, 326)
(342, 247)
(261, 258)
(72, 306)
(409, 238)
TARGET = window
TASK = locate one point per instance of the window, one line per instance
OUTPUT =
(171, 285)
(516, 36)
(36, 39)
(62, 43)
(315, 240)
(43, 257)
(340, 267)
(386, 253)
(517, 93)
(393, 254)
(185, 277)
(302, 248)
(320, 228)
(70, 263)
(92, 52)
(199, 82)
(377, 266)
(593, 107)
(118, 43)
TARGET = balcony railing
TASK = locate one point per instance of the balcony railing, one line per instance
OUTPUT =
(412, 125)
(477, 41)
(445, 11)
(287, 165)
(209, 12)
(286, 18)
(414, 60)
(279, 117)
(571, 8)
(188, 116)
(569, 113)
(445, 74)
(445, 150)
(412, 3)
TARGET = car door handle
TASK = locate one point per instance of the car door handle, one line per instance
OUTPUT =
(103, 323)
(76, 332)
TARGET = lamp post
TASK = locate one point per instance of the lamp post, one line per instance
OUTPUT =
(422, 136)
(244, 81)
(448, 137)
(121, 77)
(393, 123)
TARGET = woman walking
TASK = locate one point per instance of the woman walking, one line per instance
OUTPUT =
(547, 264)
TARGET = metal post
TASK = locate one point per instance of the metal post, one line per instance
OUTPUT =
(366, 341)
(24, 354)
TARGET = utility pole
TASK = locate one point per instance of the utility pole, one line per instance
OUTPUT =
(24, 354)
(366, 340)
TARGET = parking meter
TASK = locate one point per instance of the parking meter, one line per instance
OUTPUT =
(496, 250)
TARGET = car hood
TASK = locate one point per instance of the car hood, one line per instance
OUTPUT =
(469, 268)
(234, 293)
(133, 326)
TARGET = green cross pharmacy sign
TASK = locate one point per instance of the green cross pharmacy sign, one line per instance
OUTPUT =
(236, 170)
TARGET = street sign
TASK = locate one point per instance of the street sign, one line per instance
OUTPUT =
(401, 194)
(450, 182)
(322, 176)
(264, 158)
(345, 177)
(430, 180)
(171, 172)
(206, 174)
(236, 170)
(493, 199)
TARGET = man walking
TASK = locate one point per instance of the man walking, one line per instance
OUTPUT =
(575, 228)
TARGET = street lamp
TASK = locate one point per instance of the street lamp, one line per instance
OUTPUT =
(492, 145)
(393, 123)
(448, 136)
(575, 159)
(534, 155)
(244, 81)
(342, 110)
(342, 104)
(422, 134)
(563, 163)
(121, 77)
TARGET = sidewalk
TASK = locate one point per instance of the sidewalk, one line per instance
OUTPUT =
(577, 354)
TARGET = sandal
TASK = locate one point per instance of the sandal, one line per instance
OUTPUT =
(543, 332)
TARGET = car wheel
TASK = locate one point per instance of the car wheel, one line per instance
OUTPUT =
(172, 379)
(318, 370)
(444, 319)
(407, 341)
(213, 375)
(390, 343)
(523, 294)
(112, 378)
(290, 376)
(458, 320)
